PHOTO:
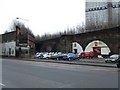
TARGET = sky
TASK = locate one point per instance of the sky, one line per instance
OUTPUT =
(42, 16)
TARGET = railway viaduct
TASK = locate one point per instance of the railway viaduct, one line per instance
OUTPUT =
(111, 38)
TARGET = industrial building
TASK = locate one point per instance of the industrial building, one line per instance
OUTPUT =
(18, 43)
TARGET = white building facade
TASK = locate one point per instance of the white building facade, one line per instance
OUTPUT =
(8, 48)
(8, 44)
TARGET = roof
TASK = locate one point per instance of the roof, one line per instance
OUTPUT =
(6, 37)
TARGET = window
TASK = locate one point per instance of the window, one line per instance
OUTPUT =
(105, 7)
(95, 8)
(98, 8)
(89, 9)
(114, 6)
(12, 51)
(9, 51)
(4, 51)
(92, 9)
(75, 45)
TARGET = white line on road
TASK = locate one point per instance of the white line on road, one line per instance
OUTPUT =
(2, 84)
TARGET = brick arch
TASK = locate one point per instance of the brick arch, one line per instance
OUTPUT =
(76, 47)
(98, 44)
(98, 39)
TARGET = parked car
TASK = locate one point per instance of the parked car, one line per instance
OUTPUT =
(38, 55)
(47, 55)
(58, 56)
(71, 56)
(113, 58)
(90, 54)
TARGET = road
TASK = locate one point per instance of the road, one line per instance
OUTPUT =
(30, 74)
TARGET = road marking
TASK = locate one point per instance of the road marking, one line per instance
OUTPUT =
(2, 84)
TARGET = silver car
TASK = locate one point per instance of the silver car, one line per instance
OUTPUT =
(113, 58)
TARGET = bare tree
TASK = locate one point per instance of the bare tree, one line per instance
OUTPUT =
(68, 31)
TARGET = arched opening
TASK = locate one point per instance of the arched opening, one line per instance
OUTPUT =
(76, 47)
(99, 47)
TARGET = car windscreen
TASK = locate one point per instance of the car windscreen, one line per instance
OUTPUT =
(114, 56)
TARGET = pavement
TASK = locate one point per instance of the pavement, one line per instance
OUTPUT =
(89, 62)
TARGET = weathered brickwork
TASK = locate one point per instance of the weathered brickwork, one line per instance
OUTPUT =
(64, 43)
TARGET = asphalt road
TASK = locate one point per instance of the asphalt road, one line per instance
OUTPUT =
(29, 74)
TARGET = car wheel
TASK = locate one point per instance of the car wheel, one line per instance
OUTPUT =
(69, 59)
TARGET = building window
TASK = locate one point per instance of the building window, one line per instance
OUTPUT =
(100, 8)
(92, 9)
(12, 51)
(96, 43)
(114, 6)
(4, 51)
(95, 8)
(9, 51)
(105, 7)
(118, 5)
(89, 9)
(75, 45)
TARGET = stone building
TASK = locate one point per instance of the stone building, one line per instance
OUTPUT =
(102, 14)
(8, 44)
(18, 43)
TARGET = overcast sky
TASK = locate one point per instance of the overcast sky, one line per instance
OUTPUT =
(44, 16)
